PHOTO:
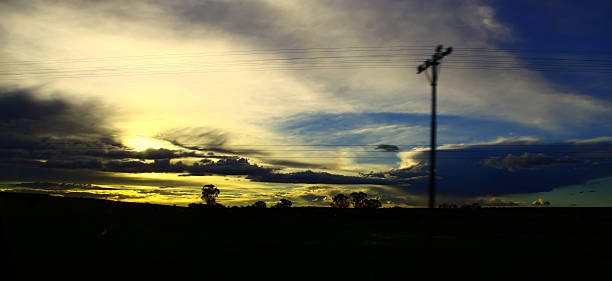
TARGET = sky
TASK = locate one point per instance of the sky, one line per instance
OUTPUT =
(147, 101)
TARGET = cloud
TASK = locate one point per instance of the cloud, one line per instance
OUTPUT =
(163, 153)
(215, 110)
(476, 169)
(312, 198)
(528, 161)
(525, 97)
(496, 202)
(76, 136)
(295, 164)
(29, 121)
(318, 188)
(315, 178)
(33, 127)
(17, 172)
(229, 166)
(73, 164)
(70, 190)
(203, 139)
(22, 111)
(388, 148)
(540, 202)
(54, 133)
(226, 166)
(61, 186)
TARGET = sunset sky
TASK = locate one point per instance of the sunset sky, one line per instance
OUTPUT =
(147, 101)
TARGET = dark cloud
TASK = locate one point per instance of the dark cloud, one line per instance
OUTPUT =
(316, 177)
(318, 188)
(22, 112)
(93, 164)
(312, 197)
(43, 128)
(80, 194)
(28, 173)
(203, 139)
(165, 192)
(528, 161)
(404, 174)
(496, 202)
(159, 166)
(54, 133)
(111, 196)
(388, 148)
(227, 166)
(60, 186)
(295, 164)
(69, 190)
(150, 153)
(476, 170)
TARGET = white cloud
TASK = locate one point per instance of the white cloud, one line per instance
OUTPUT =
(243, 102)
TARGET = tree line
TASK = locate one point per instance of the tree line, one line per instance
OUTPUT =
(356, 200)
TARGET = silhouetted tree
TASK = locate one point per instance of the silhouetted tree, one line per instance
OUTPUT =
(209, 194)
(358, 199)
(195, 205)
(341, 201)
(371, 204)
(447, 206)
(284, 203)
(259, 204)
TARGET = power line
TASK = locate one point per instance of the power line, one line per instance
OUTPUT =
(594, 71)
(329, 62)
(423, 48)
(365, 63)
(118, 72)
(402, 54)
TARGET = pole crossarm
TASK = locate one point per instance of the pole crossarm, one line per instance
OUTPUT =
(435, 59)
(434, 62)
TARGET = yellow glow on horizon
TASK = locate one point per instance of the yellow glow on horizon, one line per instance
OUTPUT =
(141, 143)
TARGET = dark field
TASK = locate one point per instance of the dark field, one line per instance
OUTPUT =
(43, 235)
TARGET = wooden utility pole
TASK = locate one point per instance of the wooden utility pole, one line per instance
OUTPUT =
(434, 62)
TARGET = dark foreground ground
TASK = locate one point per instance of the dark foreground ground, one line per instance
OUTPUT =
(42, 236)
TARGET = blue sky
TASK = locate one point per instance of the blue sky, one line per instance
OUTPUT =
(289, 99)
(563, 28)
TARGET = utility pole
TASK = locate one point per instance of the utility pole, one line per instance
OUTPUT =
(434, 62)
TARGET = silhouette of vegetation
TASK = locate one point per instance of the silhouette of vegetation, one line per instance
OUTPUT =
(195, 205)
(259, 204)
(341, 201)
(358, 199)
(209, 194)
(371, 204)
(448, 206)
(284, 203)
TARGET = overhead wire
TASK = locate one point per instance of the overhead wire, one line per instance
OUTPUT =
(396, 57)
